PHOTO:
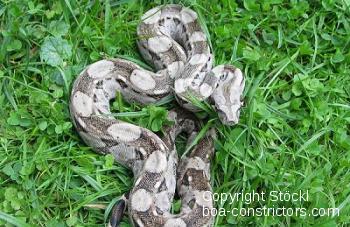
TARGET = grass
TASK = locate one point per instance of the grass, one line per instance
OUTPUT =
(294, 128)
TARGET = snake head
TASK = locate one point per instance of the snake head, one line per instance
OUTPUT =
(228, 93)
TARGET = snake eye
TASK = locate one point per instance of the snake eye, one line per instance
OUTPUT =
(223, 76)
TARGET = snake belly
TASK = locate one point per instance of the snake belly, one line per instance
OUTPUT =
(172, 40)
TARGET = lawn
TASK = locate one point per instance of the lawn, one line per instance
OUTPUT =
(293, 133)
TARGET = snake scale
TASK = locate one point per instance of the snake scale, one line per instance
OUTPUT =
(172, 40)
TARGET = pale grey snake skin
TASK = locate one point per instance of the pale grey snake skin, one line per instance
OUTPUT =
(172, 40)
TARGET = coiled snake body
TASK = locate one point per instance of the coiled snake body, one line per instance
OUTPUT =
(172, 40)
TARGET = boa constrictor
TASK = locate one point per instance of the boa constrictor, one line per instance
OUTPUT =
(172, 40)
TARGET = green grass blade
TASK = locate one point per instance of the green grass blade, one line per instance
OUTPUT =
(13, 220)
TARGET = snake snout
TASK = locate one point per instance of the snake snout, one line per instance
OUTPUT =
(230, 115)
